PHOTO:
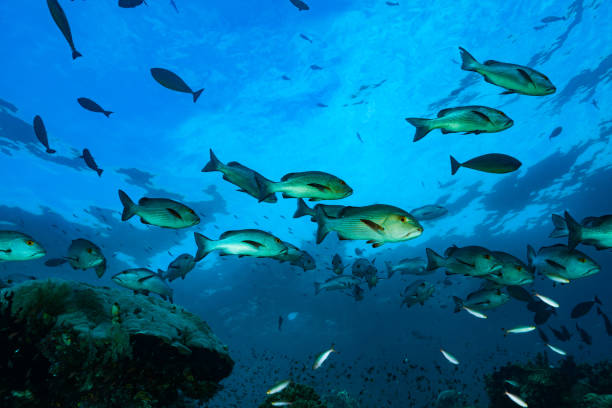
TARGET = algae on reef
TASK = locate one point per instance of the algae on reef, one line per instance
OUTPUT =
(64, 344)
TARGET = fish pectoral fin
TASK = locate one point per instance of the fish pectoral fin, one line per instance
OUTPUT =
(465, 263)
(242, 190)
(319, 187)
(555, 264)
(6, 251)
(376, 244)
(374, 226)
(254, 244)
(526, 76)
(174, 213)
(145, 278)
(507, 92)
(144, 221)
(482, 116)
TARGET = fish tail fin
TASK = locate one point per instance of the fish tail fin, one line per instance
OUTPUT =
(323, 228)
(99, 171)
(129, 207)
(423, 127)
(213, 164)
(434, 261)
(265, 187)
(560, 227)
(302, 209)
(205, 246)
(468, 63)
(317, 286)
(100, 269)
(107, 113)
(390, 270)
(574, 231)
(597, 300)
(197, 94)
(599, 312)
(458, 304)
(76, 54)
(162, 274)
(531, 254)
(50, 151)
(454, 165)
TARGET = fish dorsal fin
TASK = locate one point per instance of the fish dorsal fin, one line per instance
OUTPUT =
(374, 226)
(444, 112)
(525, 75)
(287, 176)
(146, 278)
(482, 115)
(254, 244)
(450, 250)
(491, 62)
(555, 264)
(319, 187)
(143, 201)
(228, 234)
(174, 213)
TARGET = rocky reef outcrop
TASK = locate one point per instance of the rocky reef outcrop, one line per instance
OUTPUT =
(299, 395)
(69, 344)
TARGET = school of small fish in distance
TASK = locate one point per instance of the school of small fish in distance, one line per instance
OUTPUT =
(502, 274)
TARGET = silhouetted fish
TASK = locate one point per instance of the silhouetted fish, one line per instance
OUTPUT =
(41, 133)
(606, 321)
(92, 106)
(543, 335)
(286, 78)
(62, 23)
(300, 5)
(315, 67)
(90, 162)
(280, 322)
(584, 335)
(489, 163)
(306, 38)
(172, 81)
(519, 293)
(391, 3)
(131, 3)
(552, 19)
(556, 132)
(584, 307)
(359, 137)
(174, 6)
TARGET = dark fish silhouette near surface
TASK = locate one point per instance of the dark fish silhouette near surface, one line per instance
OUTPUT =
(131, 3)
(489, 163)
(90, 162)
(172, 81)
(359, 137)
(174, 6)
(391, 3)
(62, 23)
(552, 19)
(300, 5)
(306, 38)
(280, 323)
(315, 67)
(583, 308)
(606, 321)
(556, 132)
(543, 335)
(92, 106)
(41, 133)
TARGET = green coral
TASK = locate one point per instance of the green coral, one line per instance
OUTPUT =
(301, 396)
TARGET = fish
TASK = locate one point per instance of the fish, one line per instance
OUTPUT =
(417, 292)
(392, 3)
(142, 280)
(584, 335)
(513, 271)
(362, 267)
(359, 137)
(560, 227)
(17, 246)
(514, 78)
(179, 267)
(357, 293)
(556, 350)
(314, 185)
(281, 403)
(90, 105)
(560, 262)
(337, 265)
(278, 387)
(285, 78)
(516, 399)
(174, 6)
(467, 119)
(520, 330)
(240, 176)
(315, 67)
(280, 323)
(482, 299)
(606, 320)
(115, 313)
(303, 36)
(378, 224)
(408, 266)
(519, 293)
(82, 254)
(302, 210)
(300, 5)
(41, 133)
(542, 315)
(562, 335)
(170, 80)
(429, 212)
(556, 132)
(552, 19)
(451, 359)
(583, 308)
(495, 163)
(161, 212)
(340, 282)
(469, 261)
(90, 162)
(320, 359)
(543, 335)
(512, 383)
(474, 313)
(247, 242)
(304, 261)
(60, 19)
(596, 231)
(131, 3)
(547, 300)
(296, 256)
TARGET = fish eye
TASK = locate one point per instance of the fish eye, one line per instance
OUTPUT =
(277, 240)
(487, 256)
(342, 182)
(519, 268)
(402, 219)
(191, 211)
(89, 250)
(29, 242)
(581, 260)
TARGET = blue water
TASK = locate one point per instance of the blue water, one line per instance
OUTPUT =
(157, 141)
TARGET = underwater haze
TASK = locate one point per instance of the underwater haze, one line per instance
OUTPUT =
(321, 105)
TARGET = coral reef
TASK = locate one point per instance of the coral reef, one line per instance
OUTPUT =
(542, 386)
(300, 396)
(69, 344)
(340, 399)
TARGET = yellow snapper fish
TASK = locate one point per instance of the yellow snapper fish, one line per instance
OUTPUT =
(595, 231)
(466, 119)
(468, 261)
(513, 271)
(161, 212)
(83, 254)
(17, 246)
(378, 224)
(560, 263)
(314, 185)
(247, 242)
(322, 357)
(515, 78)
(278, 387)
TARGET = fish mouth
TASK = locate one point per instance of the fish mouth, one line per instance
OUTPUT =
(509, 123)
(551, 89)
(414, 234)
(38, 254)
